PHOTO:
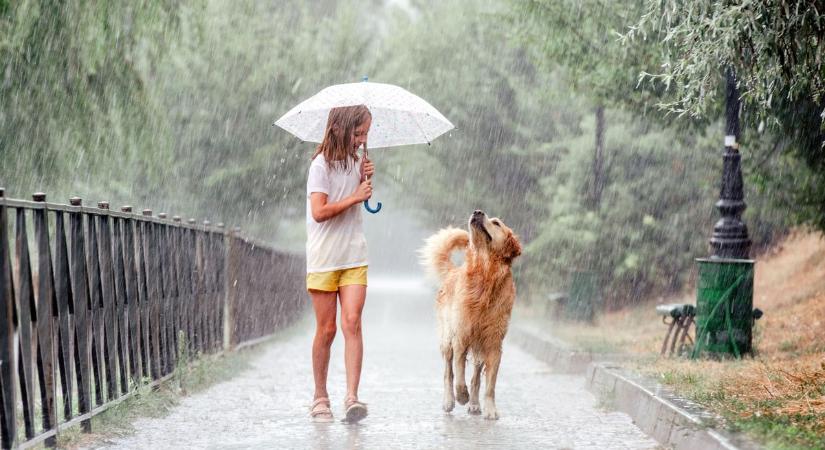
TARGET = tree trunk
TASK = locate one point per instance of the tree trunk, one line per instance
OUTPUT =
(598, 176)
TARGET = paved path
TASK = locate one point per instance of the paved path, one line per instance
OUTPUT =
(266, 406)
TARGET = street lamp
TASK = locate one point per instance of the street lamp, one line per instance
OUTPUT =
(730, 235)
(724, 297)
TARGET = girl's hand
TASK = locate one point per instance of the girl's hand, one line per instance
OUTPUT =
(367, 170)
(363, 192)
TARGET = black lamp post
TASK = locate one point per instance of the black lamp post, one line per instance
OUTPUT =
(730, 235)
(724, 300)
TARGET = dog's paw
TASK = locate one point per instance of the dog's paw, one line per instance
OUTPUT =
(462, 395)
(474, 409)
(449, 403)
(491, 414)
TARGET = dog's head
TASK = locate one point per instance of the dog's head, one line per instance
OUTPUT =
(493, 236)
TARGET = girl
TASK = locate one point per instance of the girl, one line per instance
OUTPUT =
(338, 182)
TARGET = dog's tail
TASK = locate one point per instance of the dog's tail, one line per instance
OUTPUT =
(435, 255)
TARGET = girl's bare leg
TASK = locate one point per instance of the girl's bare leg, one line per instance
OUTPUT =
(325, 308)
(352, 303)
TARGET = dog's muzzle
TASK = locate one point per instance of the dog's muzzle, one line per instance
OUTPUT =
(477, 221)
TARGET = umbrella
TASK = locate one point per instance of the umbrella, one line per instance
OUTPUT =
(398, 116)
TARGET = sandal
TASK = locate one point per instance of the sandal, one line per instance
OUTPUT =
(319, 411)
(355, 410)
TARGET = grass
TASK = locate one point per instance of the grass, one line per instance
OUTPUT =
(782, 406)
(777, 396)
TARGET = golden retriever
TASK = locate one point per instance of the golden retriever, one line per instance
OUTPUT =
(473, 305)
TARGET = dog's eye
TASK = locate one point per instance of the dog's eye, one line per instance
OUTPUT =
(495, 222)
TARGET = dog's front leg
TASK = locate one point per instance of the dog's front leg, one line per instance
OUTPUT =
(461, 393)
(491, 362)
(449, 399)
(475, 386)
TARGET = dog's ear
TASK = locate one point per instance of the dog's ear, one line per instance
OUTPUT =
(512, 247)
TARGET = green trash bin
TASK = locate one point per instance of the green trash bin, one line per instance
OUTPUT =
(724, 306)
(583, 299)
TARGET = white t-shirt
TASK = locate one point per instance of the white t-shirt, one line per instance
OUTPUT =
(337, 243)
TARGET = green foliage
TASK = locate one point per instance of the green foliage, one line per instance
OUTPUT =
(671, 54)
(582, 37)
(782, 433)
(655, 214)
(775, 48)
(73, 102)
(169, 104)
(489, 91)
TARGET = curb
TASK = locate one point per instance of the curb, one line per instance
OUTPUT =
(673, 422)
(563, 360)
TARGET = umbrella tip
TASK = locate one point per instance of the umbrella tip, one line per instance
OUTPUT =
(365, 78)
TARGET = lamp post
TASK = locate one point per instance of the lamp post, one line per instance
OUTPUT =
(730, 235)
(724, 297)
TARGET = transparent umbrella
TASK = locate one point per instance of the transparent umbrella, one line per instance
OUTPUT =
(398, 116)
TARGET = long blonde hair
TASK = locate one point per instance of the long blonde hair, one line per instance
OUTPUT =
(337, 144)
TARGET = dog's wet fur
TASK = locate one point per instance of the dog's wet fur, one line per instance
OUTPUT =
(473, 305)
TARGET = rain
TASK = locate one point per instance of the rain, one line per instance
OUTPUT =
(596, 130)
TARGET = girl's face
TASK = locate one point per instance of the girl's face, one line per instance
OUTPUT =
(359, 135)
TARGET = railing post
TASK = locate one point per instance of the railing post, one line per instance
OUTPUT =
(119, 308)
(174, 289)
(65, 309)
(197, 287)
(27, 313)
(82, 312)
(152, 313)
(46, 311)
(229, 281)
(209, 294)
(221, 253)
(167, 338)
(144, 302)
(192, 285)
(179, 240)
(132, 313)
(8, 381)
(107, 283)
(96, 300)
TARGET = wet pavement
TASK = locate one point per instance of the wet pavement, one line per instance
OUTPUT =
(266, 406)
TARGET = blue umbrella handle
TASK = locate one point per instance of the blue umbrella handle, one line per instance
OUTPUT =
(370, 209)
(367, 202)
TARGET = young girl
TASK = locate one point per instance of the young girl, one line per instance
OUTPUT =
(338, 182)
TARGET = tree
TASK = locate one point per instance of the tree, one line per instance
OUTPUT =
(73, 97)
(775, 48)
(457, 62)
(236, 68)
(647, 205)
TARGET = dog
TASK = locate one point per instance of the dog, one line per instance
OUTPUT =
(473, 305)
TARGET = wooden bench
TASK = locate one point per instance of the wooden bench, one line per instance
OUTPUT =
(681, 318)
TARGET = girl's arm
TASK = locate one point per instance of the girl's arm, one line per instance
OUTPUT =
(323, 211)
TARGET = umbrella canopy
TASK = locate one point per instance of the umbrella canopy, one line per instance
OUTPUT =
(398, 116)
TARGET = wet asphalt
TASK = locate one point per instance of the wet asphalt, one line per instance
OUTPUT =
(266, 406)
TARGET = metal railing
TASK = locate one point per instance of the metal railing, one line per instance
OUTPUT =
(95, 303)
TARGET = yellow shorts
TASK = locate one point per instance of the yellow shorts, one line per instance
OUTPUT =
(331, 281)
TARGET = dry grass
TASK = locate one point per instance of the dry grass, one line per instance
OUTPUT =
(779, 394)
